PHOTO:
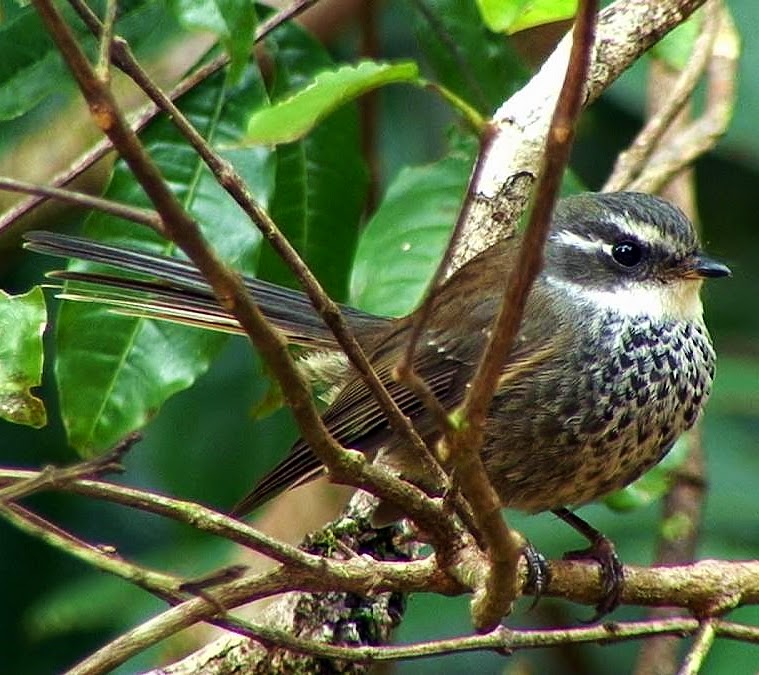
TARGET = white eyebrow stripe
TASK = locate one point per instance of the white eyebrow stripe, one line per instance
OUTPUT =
(576, 240)
(637, 229)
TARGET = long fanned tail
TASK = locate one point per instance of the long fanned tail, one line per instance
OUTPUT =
(174, 290)
(154, 286)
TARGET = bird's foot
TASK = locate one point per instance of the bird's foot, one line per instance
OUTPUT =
(602, 551)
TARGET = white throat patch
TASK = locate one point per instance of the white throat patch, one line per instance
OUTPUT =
(675, 300)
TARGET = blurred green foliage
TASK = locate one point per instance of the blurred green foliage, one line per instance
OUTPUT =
(205, 445)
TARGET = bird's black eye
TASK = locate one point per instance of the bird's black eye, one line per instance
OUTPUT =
(627, 253)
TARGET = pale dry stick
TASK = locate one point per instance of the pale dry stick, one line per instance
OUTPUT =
(632, 161)
(141, 118)
(702, 134)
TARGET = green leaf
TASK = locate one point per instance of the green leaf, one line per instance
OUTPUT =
(467, 58)
(22, 322)
(404, 241)
(511, 16)
(292, 118)
(321, 179)
(233, 21)
(115, 372)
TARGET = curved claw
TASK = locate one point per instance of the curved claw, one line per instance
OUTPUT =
(538, 573)
(603, 552)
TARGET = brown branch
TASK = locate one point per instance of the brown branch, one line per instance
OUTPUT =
(464, 444)
(704, 587)
(234, 184)
(708, 588)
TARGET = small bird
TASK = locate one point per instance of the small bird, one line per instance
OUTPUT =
(611, 364)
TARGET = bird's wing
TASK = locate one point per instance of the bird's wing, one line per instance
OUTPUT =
(445, 362)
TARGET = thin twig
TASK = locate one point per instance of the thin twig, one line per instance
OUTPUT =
(102, 558)
(54, 477)
(464, 444)
(103, 67)
(405, 368)
(694, 659)
(500, 640)
(134, 214)
(234, 184)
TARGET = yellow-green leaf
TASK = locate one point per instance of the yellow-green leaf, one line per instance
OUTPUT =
(511, 16)
(22, 322)
(292, 118)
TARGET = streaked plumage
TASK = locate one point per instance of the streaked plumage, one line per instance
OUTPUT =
(611, 364)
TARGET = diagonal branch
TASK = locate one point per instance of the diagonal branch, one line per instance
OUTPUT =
(346, 466)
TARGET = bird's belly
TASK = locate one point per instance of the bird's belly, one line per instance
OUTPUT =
(614, 414)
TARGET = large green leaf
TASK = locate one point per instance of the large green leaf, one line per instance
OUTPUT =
(115, 372)
(293, 117)
(404, 241)
(22, 321)
(321, 179)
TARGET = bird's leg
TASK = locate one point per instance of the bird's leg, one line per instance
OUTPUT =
(601, 550)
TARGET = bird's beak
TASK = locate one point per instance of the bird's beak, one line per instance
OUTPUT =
(699, 266)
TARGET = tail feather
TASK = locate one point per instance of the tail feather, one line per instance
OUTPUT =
(174, 290)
